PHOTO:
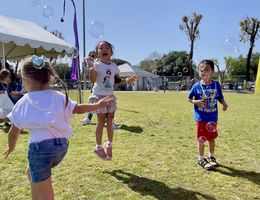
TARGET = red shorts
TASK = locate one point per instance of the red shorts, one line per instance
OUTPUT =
(202, 131)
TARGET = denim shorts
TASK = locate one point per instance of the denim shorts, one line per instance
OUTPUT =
(45, 155)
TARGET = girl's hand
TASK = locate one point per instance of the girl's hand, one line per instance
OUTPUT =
(90, 61)
(132, 78)
(13, 135)
(7, 152)
(106, 101)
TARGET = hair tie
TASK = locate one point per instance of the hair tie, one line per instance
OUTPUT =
(38, 62)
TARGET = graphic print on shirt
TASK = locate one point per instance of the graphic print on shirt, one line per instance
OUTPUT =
(106, 82)
(208, 95)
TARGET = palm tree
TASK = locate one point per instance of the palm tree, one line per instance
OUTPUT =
(249, 32)
(190, 27)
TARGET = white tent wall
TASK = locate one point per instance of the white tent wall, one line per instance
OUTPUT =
(127, 70)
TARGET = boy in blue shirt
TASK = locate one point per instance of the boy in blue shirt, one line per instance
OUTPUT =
(204, 95)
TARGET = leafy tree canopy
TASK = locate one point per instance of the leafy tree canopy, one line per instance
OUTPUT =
(174, 63)
(236, 66)
(150, 63)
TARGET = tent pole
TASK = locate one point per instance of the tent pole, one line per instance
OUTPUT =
(84, 67)
(3, 45)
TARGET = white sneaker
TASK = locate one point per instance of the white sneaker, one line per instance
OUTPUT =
(86, 121)
(116, 126)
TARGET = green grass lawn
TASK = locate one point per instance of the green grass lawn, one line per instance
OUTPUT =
(154, 154)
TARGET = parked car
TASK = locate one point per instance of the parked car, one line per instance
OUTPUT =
(227, 86)
(252, 86)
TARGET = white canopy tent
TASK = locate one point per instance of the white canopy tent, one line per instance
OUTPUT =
(19, 38)
(127, 70)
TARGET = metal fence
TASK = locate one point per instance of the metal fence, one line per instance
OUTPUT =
(170, 83)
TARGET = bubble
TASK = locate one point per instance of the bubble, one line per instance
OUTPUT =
(179, 74)
(47, 11)
(231, 45)
(50, 116)
(72, 52)
(211, 127)
(96, 29)
(202, 139)
(36, 3)
(185, 69)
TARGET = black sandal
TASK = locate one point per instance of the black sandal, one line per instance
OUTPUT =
(204, 163)
(213, 161)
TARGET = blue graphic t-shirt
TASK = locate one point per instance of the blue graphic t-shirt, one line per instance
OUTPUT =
(210, 94)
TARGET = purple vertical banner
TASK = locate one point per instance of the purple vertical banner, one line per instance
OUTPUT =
(74, 72)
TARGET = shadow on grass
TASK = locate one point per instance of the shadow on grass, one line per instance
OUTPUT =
(135, 129)
(92, 123)
(133, 111)
(157, 189)
(5, 129)
(249, 175)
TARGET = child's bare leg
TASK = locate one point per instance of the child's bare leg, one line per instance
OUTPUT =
(43, 189)
(99, 130)
(108, 145)
(110, 131)
(201, 148)
(212, 147)
(212, 158)
(34, 195)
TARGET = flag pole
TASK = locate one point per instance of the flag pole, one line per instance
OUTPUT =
(257, 82)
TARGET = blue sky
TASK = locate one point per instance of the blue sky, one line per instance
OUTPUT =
(138, 28)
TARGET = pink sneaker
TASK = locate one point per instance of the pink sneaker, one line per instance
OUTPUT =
(101, 153)
(108, 150)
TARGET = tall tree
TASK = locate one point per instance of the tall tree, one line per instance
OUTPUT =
(221, 74)
(150, 63)
(190, 25)
(249, 32)
(173, 64)
(236, 66)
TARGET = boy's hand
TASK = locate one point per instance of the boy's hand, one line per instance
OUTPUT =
(225, 106)
(106, 101)
(200, 103)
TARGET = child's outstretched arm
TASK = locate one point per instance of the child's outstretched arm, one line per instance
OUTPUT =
(132, 78)
(13, 135)
(224, 104)
(92, 73)
(83, 108)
